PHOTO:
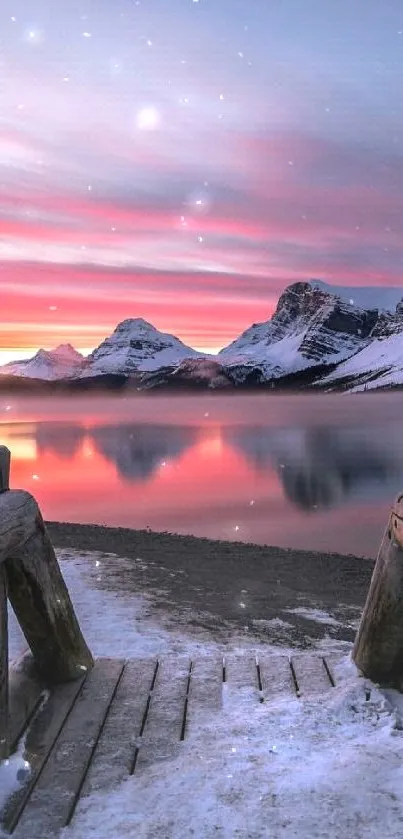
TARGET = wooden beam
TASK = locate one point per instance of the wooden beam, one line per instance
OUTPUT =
(378, 647)
(4, 468)
(4, 733)
(18, 513)
(42, 734)
(41, 602)
(51, 805)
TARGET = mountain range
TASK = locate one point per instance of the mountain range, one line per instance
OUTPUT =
(320, 336)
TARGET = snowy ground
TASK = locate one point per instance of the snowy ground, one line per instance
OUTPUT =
(330, 767)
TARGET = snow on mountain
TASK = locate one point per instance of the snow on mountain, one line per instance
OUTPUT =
(136, 346)
(310, 327)
(365, 297)
(380, 364)
(62, 362)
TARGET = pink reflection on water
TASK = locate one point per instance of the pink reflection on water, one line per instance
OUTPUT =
(317, 473)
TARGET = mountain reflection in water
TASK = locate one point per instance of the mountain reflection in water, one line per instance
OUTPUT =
(309, 483)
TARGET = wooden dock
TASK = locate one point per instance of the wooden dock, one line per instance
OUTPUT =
(84, 726)
(124, 716)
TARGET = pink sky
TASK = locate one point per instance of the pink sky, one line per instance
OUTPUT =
(187, 172)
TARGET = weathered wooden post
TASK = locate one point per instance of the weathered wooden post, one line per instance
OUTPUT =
(4, 469)
(4, 740)
(37, 591)
(378, 647)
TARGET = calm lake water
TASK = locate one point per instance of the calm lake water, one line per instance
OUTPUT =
(314, 472)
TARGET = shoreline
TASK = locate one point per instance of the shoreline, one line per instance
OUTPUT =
(274, 594)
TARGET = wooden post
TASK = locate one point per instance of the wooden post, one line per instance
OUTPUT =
(378, 647)
(4, 469)
(41, 602)
(4, 733)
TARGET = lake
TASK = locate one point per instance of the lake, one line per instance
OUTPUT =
(317, 472)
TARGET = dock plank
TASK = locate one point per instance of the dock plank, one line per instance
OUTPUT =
(52, 801)
(26, 691)
(311, 674)
(205, 692)
(241, 687)
(43, 731)
(276, 676)
(113, 757)
(161, 736)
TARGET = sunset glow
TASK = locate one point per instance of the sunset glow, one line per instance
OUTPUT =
(184, 162)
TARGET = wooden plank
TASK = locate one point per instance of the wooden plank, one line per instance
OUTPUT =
(276, 676)
(41, 602)
(311, 674)
(54, 797)
(331, 662)
(4, 730)
(241, 687)
(205, 692)
(25, 692)
(113, 757)
(4, 468)
(42, 734)
(163, 728)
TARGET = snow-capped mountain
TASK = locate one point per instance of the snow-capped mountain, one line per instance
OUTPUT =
(310, 327)
(60, 363)
(317, 335)
(136, 346)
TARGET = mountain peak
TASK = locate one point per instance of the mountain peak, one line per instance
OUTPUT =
(136, 346)
(66, 348)
(133, 325)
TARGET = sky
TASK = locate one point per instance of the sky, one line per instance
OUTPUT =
(184, 160)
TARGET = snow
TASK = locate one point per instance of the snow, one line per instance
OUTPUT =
(297, 768)
(12, 772)
(319, 616)
(330, 766)
(384, 357)
(364, 297)
(283, 356)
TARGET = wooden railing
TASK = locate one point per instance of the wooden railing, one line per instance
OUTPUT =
(31, 579)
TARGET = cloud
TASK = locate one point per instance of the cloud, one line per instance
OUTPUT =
(108, 218)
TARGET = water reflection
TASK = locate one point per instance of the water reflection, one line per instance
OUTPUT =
(138, 450)
(306, 472)
(323, 467)
(317, 467)
(63, 439)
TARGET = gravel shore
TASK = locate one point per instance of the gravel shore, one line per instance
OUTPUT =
(289, 596)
